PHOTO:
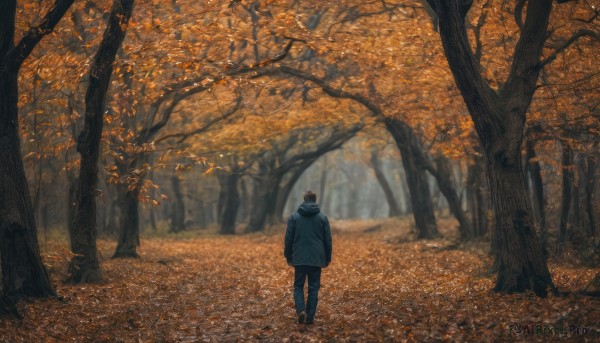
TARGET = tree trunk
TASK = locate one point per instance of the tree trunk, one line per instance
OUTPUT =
(129, 223)
(85, 266)
(231, 203)
(477, 197)
(263, 201)
(322, 181)
(410, 145)
(521, 263)
(420, 196)
(245, 200)
(22, 270)
(575, 217)
(537, 193)
(178, 209)
(72, 183)
(111, 217)
(152, 210)
(416, 180)
(223, 194)
(264, 194)
(394, 210)
(565, 205)
(405, 192)
(446, 185)
(589, 194)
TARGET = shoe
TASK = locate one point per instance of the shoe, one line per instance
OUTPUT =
(301, 317)
(309, 321)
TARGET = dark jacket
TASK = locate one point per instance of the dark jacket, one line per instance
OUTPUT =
(308, 237)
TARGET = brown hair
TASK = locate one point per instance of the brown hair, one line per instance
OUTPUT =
(310, 196)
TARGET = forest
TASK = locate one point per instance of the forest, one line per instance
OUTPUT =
(153, 155)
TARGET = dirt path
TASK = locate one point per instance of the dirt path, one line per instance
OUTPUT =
(215, 288)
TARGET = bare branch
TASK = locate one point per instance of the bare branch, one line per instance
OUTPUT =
(477, 30)
(327, 88)
(575, 37)
(185, 135)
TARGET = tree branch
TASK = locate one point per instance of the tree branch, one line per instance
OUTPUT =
(336, 140)
(185, 135)
(523, 72)
(19, 53)
(575, 37)
(182, 90)
(330, 90)
(518, 13)
(477, 30)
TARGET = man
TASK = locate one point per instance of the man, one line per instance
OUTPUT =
(307, 249)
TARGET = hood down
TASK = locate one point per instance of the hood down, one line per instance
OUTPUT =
(308, 209)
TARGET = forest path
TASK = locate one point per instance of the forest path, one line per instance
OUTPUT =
(214, 288)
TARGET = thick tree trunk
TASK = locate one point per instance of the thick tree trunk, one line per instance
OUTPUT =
(231, 203)
(22, 270)
(178, 209)
(537, 193)
(565, 205)
(129, 223)
(521, 263)
(394, 209)
(85, 266)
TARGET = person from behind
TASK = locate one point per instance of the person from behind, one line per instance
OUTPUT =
(308, 248)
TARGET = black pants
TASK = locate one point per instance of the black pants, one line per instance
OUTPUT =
(314, 283)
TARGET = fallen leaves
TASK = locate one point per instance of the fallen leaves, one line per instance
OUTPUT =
(214, 288)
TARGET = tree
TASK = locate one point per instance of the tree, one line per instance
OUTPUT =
(85, 267)
(499, 117)
(154, 119)
(415, 160)
(394, 209)
(22, 270)
(290, 156)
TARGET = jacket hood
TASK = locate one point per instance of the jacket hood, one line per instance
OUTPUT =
(308, 209)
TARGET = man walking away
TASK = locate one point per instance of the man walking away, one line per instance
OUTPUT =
(307, 249)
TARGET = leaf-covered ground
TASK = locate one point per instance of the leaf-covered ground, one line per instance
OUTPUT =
(380, 287)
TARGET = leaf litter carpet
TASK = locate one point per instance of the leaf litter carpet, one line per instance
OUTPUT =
(379, 287)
